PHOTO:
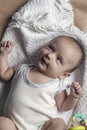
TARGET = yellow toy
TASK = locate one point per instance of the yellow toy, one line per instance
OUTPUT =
(77, 128)
(74, 119)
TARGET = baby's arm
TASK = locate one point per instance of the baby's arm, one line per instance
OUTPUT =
(6, 72)
(65, 102)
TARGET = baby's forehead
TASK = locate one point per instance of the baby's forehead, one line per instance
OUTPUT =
(66, 39)
(61, 39)
(69, 43)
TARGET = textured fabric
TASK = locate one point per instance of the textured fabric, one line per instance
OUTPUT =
(38, 22)
(29, 104)
(34, 25)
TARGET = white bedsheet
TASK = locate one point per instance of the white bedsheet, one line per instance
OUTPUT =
(36, 23)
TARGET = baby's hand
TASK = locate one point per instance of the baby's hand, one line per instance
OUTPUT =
(76, 90)
(6, 47)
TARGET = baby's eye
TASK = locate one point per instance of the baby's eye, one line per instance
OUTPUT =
(58, 59)
(51, 48)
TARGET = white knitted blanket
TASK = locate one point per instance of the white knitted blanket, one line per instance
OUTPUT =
(36, 23)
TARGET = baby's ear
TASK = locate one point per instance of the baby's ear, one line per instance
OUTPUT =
(65, 75)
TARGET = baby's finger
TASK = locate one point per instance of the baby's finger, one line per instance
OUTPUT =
(76, 85)
(5, 44)
(78, 88)
(79, 91)
(9, 43)
(2, 44)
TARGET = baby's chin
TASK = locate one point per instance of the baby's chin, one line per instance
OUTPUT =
(50, 75)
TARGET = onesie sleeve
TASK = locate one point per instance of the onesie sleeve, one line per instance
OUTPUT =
(20, 71)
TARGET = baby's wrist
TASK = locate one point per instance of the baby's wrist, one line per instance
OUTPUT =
(75, 96)
(3, 54)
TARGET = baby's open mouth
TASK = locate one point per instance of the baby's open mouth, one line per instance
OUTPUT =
(43, 60)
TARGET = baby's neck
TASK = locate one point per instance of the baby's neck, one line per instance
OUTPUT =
(37, 77)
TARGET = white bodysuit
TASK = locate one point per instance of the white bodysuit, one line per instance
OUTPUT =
(29, 104)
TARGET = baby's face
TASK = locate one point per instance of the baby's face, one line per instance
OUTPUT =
(58, 57)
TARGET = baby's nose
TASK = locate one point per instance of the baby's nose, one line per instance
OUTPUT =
(51, 56)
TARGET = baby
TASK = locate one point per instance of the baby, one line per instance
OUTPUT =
(38, 92)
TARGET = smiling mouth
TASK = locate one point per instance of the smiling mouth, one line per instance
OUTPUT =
(43, 61)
